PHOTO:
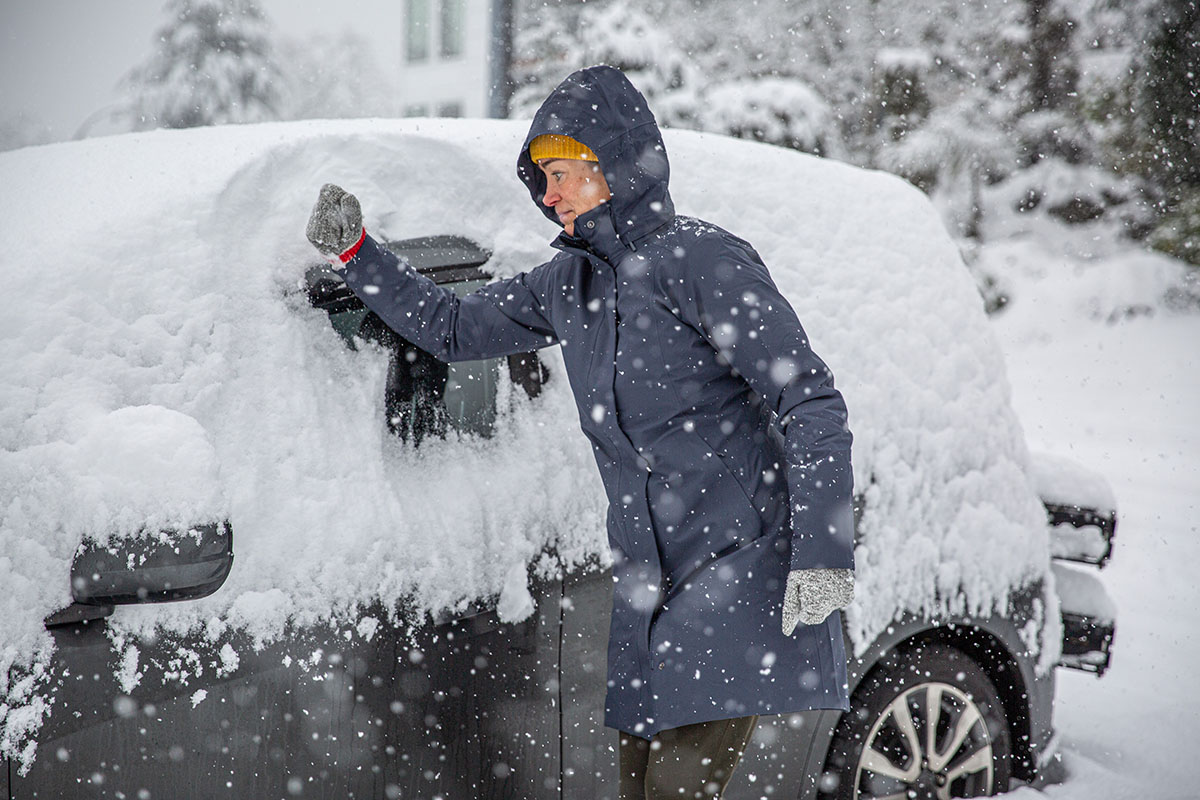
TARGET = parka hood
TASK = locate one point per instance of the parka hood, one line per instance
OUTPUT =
(599, 107)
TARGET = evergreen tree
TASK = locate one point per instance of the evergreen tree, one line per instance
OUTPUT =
(950, 156)
(782, 111)
(623, 35)
(901, 99)
(334, 77)
(1168, 102)
(22, 130)
(551, 43)
(1168, 115)
(1052, 64)
(831, 46)
(212, 65)
(544, 52)
(955, 95)
(1047, 121)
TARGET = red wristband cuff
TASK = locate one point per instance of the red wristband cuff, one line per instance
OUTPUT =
(349, 254)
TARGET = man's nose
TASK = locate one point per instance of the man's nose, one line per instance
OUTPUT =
(550, 198)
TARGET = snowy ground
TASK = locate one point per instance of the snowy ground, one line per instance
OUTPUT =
(1122, 397)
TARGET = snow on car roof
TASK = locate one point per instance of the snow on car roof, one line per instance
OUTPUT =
(160, 367)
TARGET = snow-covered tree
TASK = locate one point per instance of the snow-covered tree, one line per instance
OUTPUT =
(23, 130)
(1168, 122)
(1178, 232)
(782, 111)
(901, 99)
(955, 95)
(1052, 65)
(212, 64)
(1168, 94)
(333, 78)
(544, 52)
(1044, 70)
(621, 33)
(950, 156)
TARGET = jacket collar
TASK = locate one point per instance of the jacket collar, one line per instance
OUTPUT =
(594, 230)
(600, 238)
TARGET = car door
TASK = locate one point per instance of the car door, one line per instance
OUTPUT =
(589, 766)
(464, 706)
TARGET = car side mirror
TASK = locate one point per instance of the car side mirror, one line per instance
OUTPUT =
(160, 567)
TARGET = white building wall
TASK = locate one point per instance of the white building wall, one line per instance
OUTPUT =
(436, 85)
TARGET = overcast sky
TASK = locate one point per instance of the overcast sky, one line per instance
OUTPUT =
(60, 60)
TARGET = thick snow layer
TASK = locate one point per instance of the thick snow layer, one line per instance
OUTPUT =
(161, 364)
(1082, 591)
(1066, 482)
(1084, 542)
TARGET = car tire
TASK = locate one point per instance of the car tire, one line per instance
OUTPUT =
(884, 747)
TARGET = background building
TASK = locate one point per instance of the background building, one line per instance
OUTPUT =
(455, 56)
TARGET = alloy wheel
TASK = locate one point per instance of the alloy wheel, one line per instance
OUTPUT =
(930, 743)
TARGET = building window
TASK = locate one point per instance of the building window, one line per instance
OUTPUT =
(417, 33)
(453, 21)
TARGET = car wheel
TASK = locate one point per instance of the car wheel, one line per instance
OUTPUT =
(926, 723)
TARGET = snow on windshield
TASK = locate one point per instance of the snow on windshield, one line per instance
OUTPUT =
(161, 367)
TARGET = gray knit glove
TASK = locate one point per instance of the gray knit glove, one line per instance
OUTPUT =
(336, 221)
(813, 594)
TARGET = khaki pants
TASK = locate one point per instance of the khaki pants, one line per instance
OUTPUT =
(694, 761)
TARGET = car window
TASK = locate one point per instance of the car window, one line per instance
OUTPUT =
(424, 396)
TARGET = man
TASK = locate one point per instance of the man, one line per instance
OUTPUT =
(720, 438)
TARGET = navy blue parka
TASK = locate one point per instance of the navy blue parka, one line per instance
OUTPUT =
(721, 441)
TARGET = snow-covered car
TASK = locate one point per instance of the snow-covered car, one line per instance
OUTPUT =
(420, 598)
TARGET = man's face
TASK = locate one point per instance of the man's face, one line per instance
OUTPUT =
(573, 187)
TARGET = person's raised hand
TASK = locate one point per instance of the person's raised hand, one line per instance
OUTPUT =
(335, 224)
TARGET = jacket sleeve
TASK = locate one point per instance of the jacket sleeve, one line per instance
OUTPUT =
(502, 318)
(724, 291)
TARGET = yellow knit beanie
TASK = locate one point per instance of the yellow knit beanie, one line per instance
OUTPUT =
(552, 145)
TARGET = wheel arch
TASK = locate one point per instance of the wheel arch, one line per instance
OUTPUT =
(986, 648)
(1002, 669)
